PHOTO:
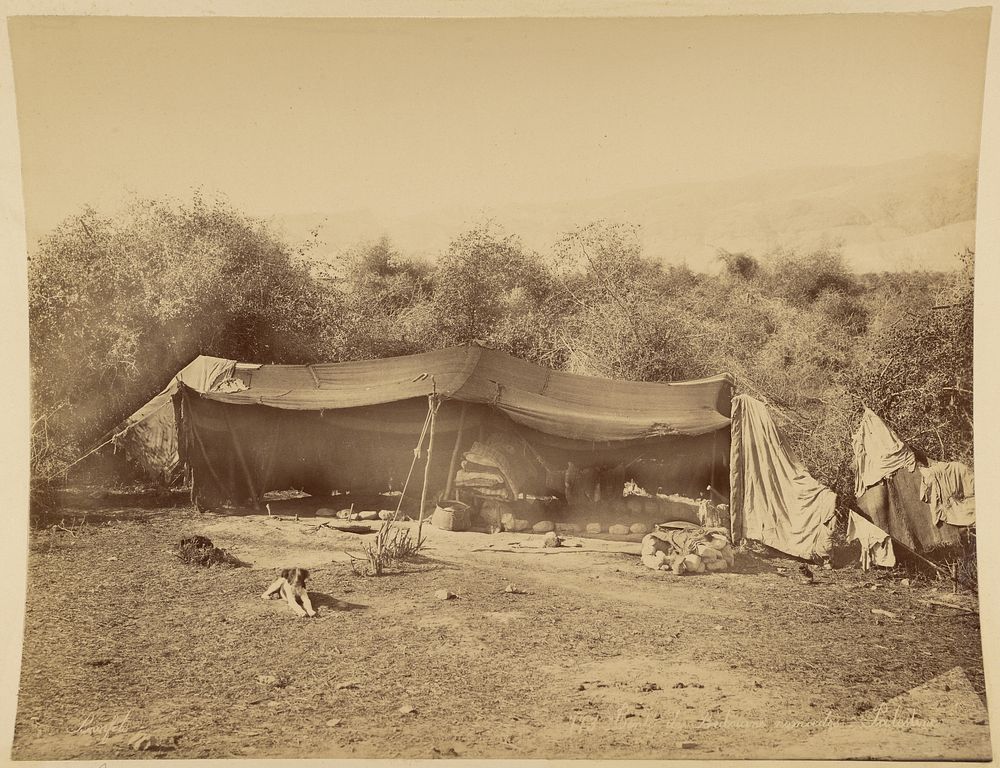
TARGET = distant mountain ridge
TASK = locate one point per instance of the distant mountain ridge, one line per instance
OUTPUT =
(899, 216)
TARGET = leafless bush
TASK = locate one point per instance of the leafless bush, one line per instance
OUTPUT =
(391, 545)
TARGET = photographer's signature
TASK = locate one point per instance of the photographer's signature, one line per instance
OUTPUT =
(104, 729)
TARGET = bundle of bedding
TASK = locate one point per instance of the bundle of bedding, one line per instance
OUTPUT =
(690, 549)
(500, 468)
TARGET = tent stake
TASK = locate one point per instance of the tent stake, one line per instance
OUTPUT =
(432, 404)
(454, 453)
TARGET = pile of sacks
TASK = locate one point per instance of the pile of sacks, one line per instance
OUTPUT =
(688, 550)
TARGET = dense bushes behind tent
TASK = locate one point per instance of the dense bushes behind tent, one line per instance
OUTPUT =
(118, 304)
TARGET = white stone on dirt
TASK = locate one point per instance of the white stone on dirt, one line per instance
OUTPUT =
(638, 528)
(444, 594)
(334, 722)
(619, 529)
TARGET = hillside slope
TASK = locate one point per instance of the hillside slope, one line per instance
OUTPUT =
(905, 215)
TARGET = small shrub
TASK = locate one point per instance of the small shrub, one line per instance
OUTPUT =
(391, 545)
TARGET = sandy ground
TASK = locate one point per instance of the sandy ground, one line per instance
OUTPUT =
(599, 658)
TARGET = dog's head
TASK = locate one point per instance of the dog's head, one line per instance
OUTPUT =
(297, 577)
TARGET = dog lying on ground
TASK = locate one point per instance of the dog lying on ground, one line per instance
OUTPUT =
(291, 586)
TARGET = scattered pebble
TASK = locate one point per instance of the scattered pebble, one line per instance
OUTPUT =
(407, 709)
(647, 687)
(345, 686)
(687, 744)
(444, 594)
(334, 722)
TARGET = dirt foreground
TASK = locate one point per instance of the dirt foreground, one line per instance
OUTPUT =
(131, 653)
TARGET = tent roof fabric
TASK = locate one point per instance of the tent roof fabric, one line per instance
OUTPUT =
(564, 404)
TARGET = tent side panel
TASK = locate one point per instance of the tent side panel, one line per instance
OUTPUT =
(362, 450)
(776, 500)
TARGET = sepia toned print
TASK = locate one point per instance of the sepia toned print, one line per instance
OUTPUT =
(502, 388)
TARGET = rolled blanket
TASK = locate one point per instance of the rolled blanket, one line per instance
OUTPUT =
(478, 479)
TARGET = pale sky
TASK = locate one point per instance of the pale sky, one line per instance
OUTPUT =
(399, 116)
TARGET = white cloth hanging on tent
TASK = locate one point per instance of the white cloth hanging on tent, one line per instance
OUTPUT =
(774, 499)
(876, 545)
(878, 452)
(950, 489)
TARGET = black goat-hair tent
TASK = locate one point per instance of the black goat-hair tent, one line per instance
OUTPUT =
(243, 430)
(353, 426)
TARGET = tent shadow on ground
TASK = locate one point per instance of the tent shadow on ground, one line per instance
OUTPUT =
(86, 499)
(402, 570)
(751, 564)
(331, 603)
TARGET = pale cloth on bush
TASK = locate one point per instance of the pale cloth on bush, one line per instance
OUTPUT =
(878, 453)
(876, 545)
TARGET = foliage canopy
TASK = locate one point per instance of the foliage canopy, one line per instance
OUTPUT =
(118, 304)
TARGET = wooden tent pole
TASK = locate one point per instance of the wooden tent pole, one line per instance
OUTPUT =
(711, 480)
(432, 404)
(454, 453)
